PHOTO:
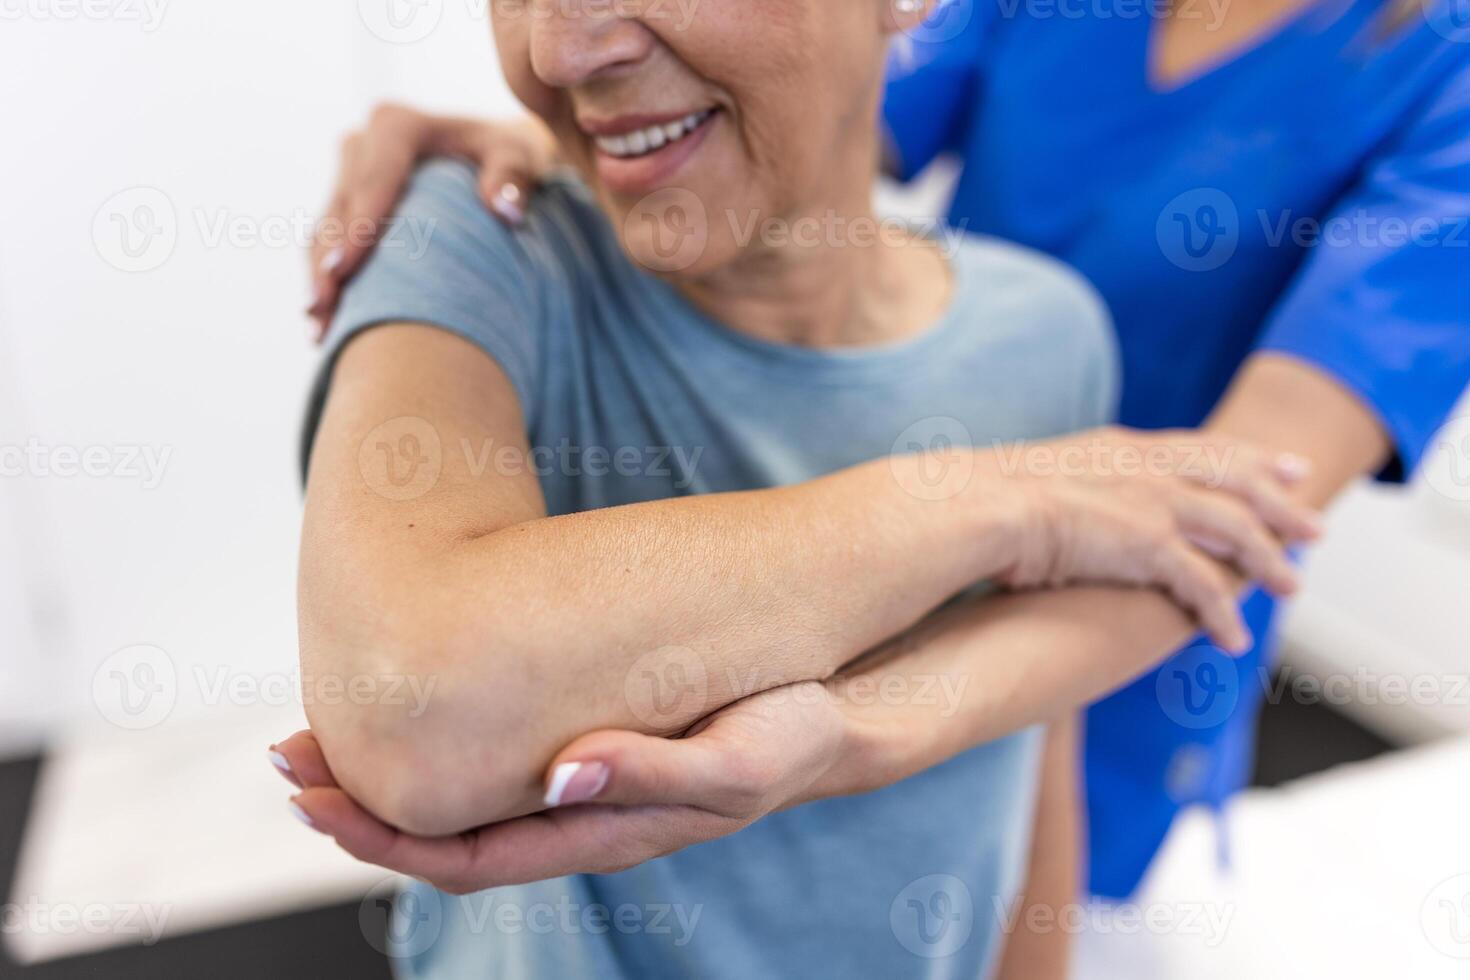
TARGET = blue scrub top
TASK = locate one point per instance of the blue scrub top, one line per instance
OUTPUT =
(1311, 197)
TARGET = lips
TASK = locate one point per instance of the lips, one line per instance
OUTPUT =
(639, 154)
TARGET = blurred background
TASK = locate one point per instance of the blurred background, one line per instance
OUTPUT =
(165, 162)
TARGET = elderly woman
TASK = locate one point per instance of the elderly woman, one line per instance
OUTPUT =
(703, 449)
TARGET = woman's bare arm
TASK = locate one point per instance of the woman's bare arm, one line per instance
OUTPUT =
(526, 631)
(527, 626)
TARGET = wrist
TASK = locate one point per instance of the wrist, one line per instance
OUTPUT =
(1001, 515)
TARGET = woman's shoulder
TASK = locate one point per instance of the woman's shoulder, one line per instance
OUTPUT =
(1048, 311)
(563, 223)
(1005, 278)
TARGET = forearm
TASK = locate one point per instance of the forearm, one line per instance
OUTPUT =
(645, 618)
(1038, 945)
(993, 667)
(1289, 405)
(534, 630)
(1019, 659)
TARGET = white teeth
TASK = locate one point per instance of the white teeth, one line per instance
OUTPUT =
(642, 141)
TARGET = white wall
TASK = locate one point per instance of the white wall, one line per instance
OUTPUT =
(221, 112)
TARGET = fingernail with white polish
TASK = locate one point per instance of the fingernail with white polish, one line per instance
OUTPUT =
(301, 814)
(1293, 468)
(332, 260)
(507, 204)
(282, 765)
(576, 782)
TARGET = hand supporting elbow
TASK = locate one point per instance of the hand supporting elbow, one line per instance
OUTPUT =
(418, 745)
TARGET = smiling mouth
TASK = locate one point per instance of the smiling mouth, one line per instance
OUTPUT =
(650, 139)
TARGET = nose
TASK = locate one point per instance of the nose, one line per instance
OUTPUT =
(574, 41)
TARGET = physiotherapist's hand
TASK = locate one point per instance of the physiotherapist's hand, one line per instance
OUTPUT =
(615, 798)
(377, 161)
(1179, 511)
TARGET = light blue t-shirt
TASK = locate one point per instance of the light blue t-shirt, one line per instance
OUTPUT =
(611, 365)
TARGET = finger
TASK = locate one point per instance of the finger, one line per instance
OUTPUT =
(335, 814)
(301, 760)
(1291, 468)
(1200, 586)
(1228, 530)
(584, 840)
(506, 191)
(1289, 519)
(1256, 478)
(548, 845)
(620, 767)
(326, 232)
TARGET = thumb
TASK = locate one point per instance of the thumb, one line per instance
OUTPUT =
(627, 768)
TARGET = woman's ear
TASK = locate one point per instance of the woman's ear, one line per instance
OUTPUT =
(905, 16)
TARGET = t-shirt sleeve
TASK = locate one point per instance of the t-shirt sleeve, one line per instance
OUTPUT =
(932, 77)
(444, 261)
(1099, 385)
(1382, 303)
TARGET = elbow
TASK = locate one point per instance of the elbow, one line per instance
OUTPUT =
(412, 739)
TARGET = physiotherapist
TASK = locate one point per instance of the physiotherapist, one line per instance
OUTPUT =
(1276, 206)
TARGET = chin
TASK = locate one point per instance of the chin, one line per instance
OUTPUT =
(671, 232)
